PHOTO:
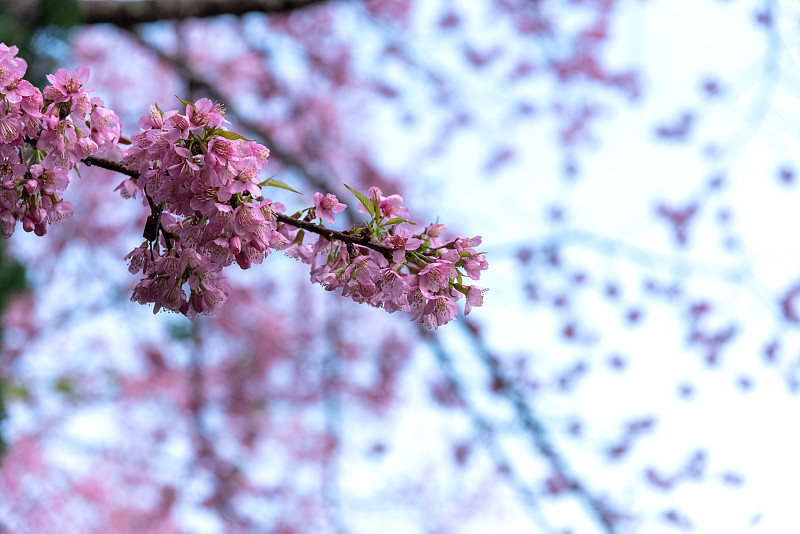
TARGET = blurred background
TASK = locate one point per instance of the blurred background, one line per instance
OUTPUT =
(631, 168)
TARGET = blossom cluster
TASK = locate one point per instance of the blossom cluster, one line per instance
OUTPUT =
(396, 269)
(201, 182)
(43, 135)
(207, 212)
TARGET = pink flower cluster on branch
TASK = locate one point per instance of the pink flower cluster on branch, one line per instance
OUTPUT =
(392, 267)
(43, 135)
(207, 211)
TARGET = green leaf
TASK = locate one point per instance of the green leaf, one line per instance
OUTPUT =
(367, 203)
(159, 109)
(233, 136)
(185, 103)
(277, 183)
(397, 220)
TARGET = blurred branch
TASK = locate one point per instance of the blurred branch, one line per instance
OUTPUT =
(332, 406)
(617, 248)
(536, 430)
(486, 432)
(126, 14)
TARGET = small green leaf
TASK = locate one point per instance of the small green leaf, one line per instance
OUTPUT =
(397, 220)
(159, 109)
(233, 136)
(185, 103)
(278, 183)
(367, 203)
(265, 182)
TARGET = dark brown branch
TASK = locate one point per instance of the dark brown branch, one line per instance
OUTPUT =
(330, 235)
(333, 235)
(126, 14)
(115, 166)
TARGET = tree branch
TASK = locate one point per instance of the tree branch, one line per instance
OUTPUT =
(486, 432)
(115, 166)
(330, 235)
(333, 235)
(535, 428)
(126, 14)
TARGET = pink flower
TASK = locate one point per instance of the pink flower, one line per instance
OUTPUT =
(365, 270)
(439, 311)
(205, 113)
(474, 298)
(104, 125)
(260, 153)
(138, 260)
(390, 207)
(400, 242)
(9, 128)
(247, 218)
(392, 287)
(432, 313)
(66, 84)
(7, 222)
(435, 230)
(464, 244)
(222, 151)
(475, 265)
(18, 89)
(62, 210)
(11, 68)
(328, 206)
(32, 105)
(177, 126)
(84, 147)
(152, 120)
(127, 188)
(436, 276)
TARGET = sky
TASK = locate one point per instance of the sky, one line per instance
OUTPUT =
(610, 231)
